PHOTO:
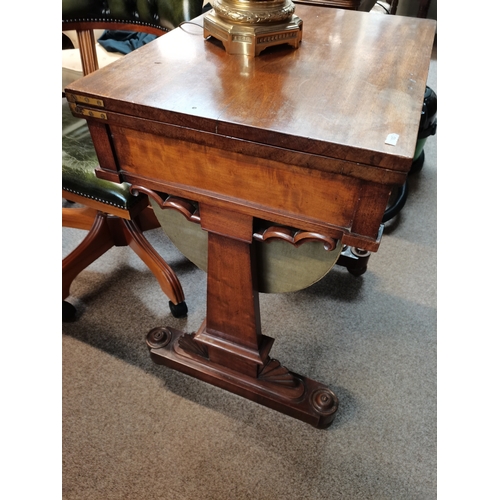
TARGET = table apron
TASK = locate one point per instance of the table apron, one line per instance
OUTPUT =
(280, 188)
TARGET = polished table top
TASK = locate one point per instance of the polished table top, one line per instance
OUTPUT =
(297, 138)
(356, 78)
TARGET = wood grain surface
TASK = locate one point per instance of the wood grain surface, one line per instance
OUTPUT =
(356, 78)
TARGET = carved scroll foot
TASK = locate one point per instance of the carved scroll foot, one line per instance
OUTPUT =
(274, 387)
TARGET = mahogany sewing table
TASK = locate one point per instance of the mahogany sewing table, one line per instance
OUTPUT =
(310, 140)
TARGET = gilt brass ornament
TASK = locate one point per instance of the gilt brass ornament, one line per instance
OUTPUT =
(250, 26)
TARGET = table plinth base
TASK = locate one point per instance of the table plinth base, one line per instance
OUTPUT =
(251, 40)
(275, 386)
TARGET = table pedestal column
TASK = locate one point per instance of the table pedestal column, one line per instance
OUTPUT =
(229, 350)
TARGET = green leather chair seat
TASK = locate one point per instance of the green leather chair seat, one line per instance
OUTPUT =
(79, 162)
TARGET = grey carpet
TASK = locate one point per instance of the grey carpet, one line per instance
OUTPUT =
(136, 430)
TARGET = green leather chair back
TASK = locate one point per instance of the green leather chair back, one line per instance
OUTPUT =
(163, 14)
(79, 159)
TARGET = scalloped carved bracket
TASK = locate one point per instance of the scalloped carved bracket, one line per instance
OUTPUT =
(187, 208)
(191, 212)
(273, 372)
(295, 237)
(190, 345)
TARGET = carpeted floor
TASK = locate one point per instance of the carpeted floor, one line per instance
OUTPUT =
(136, 430)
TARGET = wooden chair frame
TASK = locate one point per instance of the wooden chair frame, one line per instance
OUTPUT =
(111, 226)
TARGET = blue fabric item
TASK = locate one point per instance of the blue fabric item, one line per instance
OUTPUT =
(124, 41)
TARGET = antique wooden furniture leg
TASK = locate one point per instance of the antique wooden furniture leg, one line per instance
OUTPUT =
(108, 231)
(97, 242)
(229, 350)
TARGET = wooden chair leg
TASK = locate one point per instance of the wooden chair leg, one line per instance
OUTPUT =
(108, 231)
(78, 218)
(163, 272)
(98, 241)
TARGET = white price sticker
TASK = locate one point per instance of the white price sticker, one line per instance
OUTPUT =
(392, 139)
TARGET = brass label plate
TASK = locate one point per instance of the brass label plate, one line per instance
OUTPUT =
(93, 113)
(90, 101)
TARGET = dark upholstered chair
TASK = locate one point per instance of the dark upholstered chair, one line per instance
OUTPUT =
(388, 6)
(361, 5)
(111, 214)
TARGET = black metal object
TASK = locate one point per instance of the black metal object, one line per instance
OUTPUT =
(428, 126)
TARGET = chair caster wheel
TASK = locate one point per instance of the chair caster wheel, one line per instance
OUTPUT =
(357, 272)
(68, 311)
(178, 310)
